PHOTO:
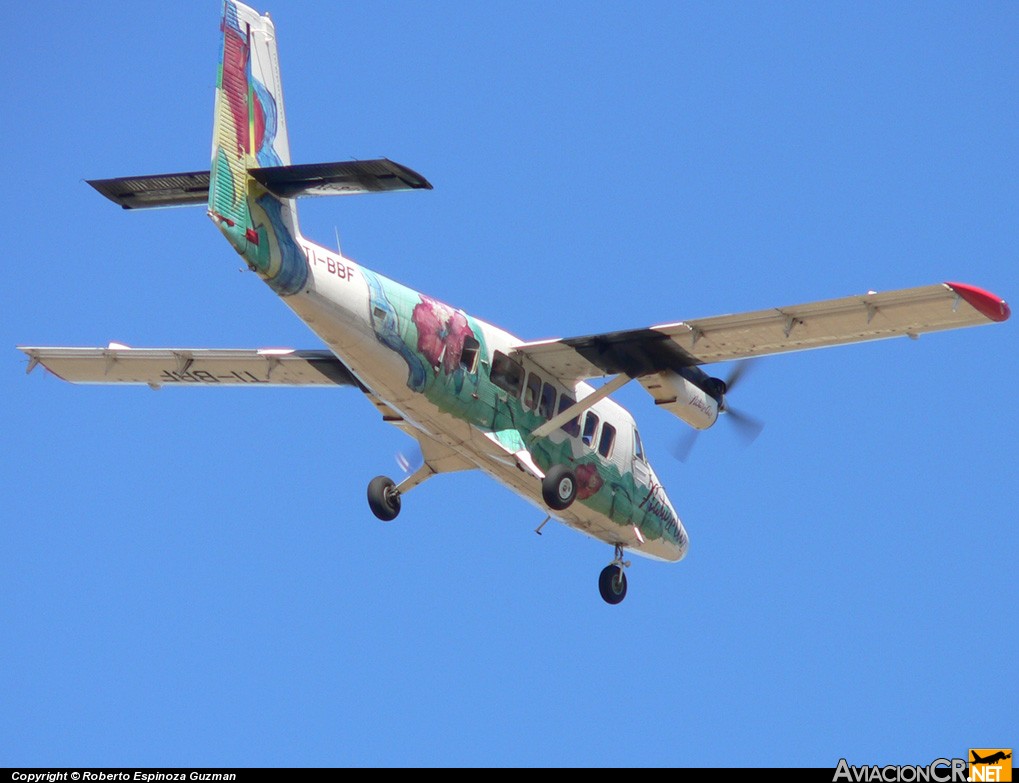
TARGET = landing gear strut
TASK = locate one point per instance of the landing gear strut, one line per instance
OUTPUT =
(384, 498)
(612, 580)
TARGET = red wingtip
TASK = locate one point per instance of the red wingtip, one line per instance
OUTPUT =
(986, 303)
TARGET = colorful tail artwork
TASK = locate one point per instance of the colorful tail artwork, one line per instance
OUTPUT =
(250, 131)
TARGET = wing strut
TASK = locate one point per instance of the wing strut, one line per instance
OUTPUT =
(576, 409)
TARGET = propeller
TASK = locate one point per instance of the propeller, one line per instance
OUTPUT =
(747, 427)
(410, 459)
(738, 372)
(684, 443)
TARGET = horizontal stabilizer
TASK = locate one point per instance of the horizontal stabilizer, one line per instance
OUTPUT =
(188, 189)
(157, 367)
(339, 179)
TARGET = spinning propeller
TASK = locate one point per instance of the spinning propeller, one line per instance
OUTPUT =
(747, 427)
(410, 459)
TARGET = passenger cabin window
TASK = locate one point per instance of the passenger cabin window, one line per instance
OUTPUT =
(546, 406)
(572, 427)
(638, 447)
(590, 428)
(469, 354)
(507, 374)
(532, 392)
(608, 440)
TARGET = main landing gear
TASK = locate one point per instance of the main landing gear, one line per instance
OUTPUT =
(612, 580)
(559, 487)
(559, 490)
(384, 498)
(384, 493)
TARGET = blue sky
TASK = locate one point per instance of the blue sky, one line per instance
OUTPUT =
(192, 577)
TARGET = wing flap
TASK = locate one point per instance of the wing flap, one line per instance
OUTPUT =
(852, 319)
(156, 367)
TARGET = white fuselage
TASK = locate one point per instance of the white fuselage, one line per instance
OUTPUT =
(336, 305)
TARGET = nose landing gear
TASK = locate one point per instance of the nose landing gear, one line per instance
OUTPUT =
(612, 580)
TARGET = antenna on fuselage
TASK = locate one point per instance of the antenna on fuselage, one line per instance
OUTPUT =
(539, 527)
(336, 231)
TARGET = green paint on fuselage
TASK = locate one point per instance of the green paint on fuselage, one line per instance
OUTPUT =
(411, 324)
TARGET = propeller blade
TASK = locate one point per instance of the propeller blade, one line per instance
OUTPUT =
(410, 459)
(747, 427)
(684, 444)
(738, 372)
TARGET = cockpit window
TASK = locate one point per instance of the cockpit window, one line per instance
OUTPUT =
(638, 447)
(506, 373)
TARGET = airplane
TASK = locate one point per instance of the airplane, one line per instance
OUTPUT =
(994, 758)
(473, 396)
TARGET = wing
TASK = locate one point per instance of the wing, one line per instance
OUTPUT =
(671, 347)
(156, 367)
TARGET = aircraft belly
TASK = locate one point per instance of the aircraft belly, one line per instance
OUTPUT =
(498, 464)
(578, 516)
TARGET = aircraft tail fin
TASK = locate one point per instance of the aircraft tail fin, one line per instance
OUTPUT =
(251, 185)
(249, 132)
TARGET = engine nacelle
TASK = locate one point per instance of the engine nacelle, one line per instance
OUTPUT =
(682, 398)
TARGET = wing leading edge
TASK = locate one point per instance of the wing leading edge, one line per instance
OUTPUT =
(852, 319)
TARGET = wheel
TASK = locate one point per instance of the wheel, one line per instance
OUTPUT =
(612, 584)
(383, 499)
(559, 487)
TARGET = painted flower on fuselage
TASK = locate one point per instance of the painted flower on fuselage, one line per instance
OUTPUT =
(588, 481)
(441, 334)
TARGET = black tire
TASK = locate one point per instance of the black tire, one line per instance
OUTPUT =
(383, 500)
(612, 584)
(559, 487)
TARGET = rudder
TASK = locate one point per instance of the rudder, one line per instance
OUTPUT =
(249, 131)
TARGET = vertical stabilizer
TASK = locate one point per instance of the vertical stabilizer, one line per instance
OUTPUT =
(249, 132)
